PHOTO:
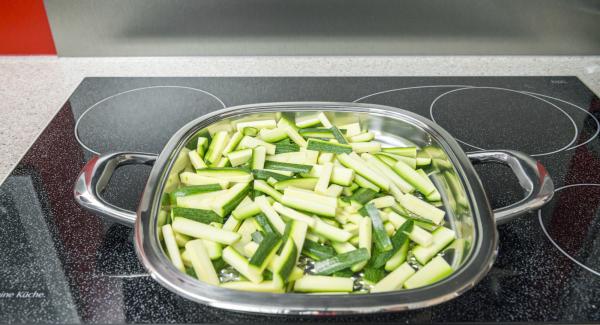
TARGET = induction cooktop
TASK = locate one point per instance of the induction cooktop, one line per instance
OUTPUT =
(61, 264)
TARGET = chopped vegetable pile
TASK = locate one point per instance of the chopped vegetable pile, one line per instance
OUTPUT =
(302, 205)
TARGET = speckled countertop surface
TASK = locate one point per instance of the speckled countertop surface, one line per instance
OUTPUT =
(34, 88)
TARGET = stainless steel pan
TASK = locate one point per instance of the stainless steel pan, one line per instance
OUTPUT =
(466, 204)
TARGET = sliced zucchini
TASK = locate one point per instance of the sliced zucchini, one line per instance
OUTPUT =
(307, 121)
(340, 262)
(172, 248)
(422, 208)
(200, 230)
(309, 203)
(334, 190)
(383, 201)
(191, 190)
(265, 174)
(324, 120)
(384, 169)
(442, 237)
(283, 147)
(331, 232)
(262, 186)
(352, 129)
(266, 251)
(319, 283)
(240, 157)
(245, 210)
(418, 234)
(326, 146)
(201, 146)
(394, 280)
(223, 162)
(323, 182)
(320, 133)
(298, 230)
(213, 250)
(362, 147)
(423, 158)
(340, 175)
(294, 136)
(204, 216)
(193, 179)
(363, 195)
(338, 135)
(259, 155)
(242, 265)
(435, 195)
(230, 174)
(294, 215)
(434, 271)
(233, 142)
(250, 131)
(216, 147)
(296, 168)
(223, 205)
(307, 183)
(354, 162)
(317, 251)
(272, 135)
(398, 240)
(285, 262)
(423, 185)
(199, 201)
(270, 213)
(203, 267)
(381, 238)
(398, 258)
(196, 160)
(263, 224)
(250, 142)
(232, 224)
(365, 237)
(362, 137)
(410, 152)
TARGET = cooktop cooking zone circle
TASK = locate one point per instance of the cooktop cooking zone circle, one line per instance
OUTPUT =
(129, 120)
(564, 116)
(571, 221)
(494, 116)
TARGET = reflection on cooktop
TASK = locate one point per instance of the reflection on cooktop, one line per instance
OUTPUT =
(547, 265)
(572, 223)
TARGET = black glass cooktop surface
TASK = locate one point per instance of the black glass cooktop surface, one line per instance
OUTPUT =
(61, 264)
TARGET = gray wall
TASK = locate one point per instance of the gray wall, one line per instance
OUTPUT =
(323, 27)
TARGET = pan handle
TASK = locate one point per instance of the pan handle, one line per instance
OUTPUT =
(532, 176)
(94, 177)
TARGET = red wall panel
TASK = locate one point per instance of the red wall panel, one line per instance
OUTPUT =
(24, 28)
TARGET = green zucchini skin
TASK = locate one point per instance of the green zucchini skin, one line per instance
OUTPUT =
(264, 223)
(296, 168)
(382, 240)
(193, 189)
(317, 251)
(379, 258)
(340, 262)
(204, 216)
(325, 146)
(267, 247)
(265, 174)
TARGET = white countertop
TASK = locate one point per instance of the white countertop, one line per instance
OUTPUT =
(34, 88)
